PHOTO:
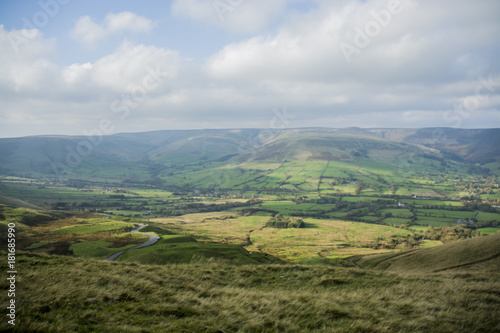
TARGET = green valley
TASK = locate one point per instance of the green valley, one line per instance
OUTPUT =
(295, 230)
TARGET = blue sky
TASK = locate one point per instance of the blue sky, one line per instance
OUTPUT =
(189, 37)
(68, 66)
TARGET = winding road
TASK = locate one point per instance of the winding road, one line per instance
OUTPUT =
(152, 239)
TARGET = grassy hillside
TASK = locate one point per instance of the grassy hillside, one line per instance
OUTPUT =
(73, 157)
(142, 156)
(473, 254)
(63, 294)
(479, 145)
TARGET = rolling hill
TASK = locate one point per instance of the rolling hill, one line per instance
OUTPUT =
(139, 153)
(471, 145)
(300, 162)
(217, 297)
(477, 254)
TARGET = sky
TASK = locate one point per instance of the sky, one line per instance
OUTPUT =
(92, 67)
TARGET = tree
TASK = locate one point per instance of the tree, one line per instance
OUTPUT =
(280, 222)
(359, 187)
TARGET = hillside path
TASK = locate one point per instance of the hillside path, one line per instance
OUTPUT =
(152, 239)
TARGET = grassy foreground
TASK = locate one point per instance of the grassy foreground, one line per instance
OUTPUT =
(65, 294)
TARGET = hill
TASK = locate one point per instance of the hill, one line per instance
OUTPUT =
(64, 294)
(472, 145)
(477, 254)
(144, 155)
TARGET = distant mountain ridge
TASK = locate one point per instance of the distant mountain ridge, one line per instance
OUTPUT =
(473, 145)
(139, 152)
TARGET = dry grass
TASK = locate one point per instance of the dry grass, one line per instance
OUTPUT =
(219, 227)
(320, 240)
(61, 294)
(51, 241)
(481, 254)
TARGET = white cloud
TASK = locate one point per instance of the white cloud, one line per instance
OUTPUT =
(127, 21)
(120, 72)
(76, 72)
(405, 50)
(426, 60)
(409, 65)
(125, 68)
(91, 33)
(24, 65)
(39, 95)
(87, 31)
(239, 16)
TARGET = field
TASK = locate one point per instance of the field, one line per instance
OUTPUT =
(320, 240)
(489, 231)
(98, 249)
(175, 249)
(336, 226)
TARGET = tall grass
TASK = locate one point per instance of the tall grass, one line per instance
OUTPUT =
(62, 294)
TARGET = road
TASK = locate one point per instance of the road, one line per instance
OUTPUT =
(152, 239)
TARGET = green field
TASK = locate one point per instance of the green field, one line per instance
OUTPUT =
(175, 249)
(92, 226)
(489, 231)
(100, 249)
(485, 216)
(320, 240)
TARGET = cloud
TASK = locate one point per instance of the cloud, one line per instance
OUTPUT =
(91, 33)
(405, 50)
(124, 69)
(422, 67)
(412, 61)
(39, 95)
(237, 16)
(24, 65)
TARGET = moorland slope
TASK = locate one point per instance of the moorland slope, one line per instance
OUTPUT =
(476, 254)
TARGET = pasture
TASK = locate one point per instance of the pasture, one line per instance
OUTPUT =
(320, 240)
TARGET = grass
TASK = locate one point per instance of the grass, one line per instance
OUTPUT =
(439, 222)
(484, 217)
(93, 226)
(489, 231)
(430, 243)
(38, 244)
(289, 207)
(86, 235)
(432, 202)
(43, 196)
(63, 294)
(398, 212)
(482, 253)
(175, 249)
(100, 248)
(320, 241)
(396, 220)
(221, 227)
